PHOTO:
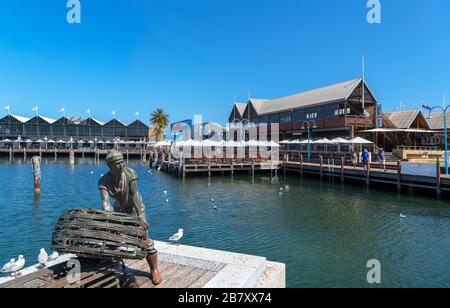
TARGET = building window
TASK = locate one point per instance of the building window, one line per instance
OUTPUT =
(285, 119)
(312, 115)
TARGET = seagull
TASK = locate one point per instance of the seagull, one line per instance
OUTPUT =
(92, 172)
(7, 267)
(402, 216)
(165, 192)
(216, 207)
(53, 256)
(18, 265)
(167, 200)
(43, 258)
(177, 236)
(213, 200)
(286, 187)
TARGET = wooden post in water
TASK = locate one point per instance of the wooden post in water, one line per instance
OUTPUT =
(11, 155)
(36, 166)
(253, 169)
(438, 178)
(71, 157)
(399, 176)
(342, 169)
(24, 153)
(209, 167)
(144, 158)
(301, 164)
(321, 166)
(232, 167)
(368, 174)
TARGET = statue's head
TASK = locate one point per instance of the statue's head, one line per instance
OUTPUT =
(115, 162)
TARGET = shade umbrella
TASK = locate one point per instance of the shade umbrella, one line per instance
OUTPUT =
(341, 141)
(359, 140)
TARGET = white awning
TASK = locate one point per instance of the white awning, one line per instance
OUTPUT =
(398, 130)
(359, 140)
(340, 141)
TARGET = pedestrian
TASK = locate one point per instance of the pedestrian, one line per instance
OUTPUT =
(382, 159)
(365, 159)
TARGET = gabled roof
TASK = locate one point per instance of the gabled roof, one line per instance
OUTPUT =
(138, 123)
(48, 120)
(45, 119)
(115, 122)
(257, 103)
(404, 118)
(437, 120)
(240, 108)
(20, 118)
(336, 92)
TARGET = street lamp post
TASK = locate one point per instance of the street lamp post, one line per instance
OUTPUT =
(445, 133)
(309, 123)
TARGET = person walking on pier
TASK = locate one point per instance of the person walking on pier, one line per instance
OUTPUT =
(365, 159)
(354, 159)
(382, 159)
(120, 183)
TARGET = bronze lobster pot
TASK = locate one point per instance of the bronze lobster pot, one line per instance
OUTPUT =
(96, 234)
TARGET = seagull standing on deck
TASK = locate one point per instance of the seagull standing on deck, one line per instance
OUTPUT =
(18, 265)
(177, 236)
(53, 256)
(43, 258)
(7, 267)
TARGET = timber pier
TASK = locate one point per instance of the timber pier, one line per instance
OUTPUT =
(337, 169)
(180, 267)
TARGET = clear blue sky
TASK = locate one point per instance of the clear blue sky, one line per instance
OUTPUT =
(192, 56)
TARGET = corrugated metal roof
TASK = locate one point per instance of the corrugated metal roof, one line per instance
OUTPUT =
(403, 118)
(335, 92)
(48, 120)
(20, 119)
(241, 108)
(258, 103)
(437, 120)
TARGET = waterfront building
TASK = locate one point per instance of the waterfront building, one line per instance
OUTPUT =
(436, 123)
(338, 110)
(40, 127)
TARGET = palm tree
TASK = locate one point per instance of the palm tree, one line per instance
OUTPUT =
(159, 120)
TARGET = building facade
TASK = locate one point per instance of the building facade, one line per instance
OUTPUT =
(338, 110)
(39, 127)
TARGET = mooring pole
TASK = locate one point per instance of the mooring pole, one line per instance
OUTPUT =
(342, 169)
(36, 167)
(71, 157)
(399, 176)
(438, 178)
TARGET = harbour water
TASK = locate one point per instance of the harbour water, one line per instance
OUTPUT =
(325, 232)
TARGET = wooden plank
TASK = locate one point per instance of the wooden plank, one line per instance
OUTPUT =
(203, 280)
(178, 275)
(20, 282)
(189, 279)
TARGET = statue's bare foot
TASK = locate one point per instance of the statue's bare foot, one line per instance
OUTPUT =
(156, 277)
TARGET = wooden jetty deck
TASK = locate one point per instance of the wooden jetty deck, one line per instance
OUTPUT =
(338, 169)
(180, 266)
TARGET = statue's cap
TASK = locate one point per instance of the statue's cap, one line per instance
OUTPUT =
(114, 157)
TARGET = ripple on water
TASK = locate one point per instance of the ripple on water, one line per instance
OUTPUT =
(324, 232)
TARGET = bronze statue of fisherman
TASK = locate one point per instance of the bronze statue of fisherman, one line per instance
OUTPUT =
(121, 183)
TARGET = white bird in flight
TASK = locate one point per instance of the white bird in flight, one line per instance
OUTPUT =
(7, 267)
(402, 216)
(177, 236)
(43, 258)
